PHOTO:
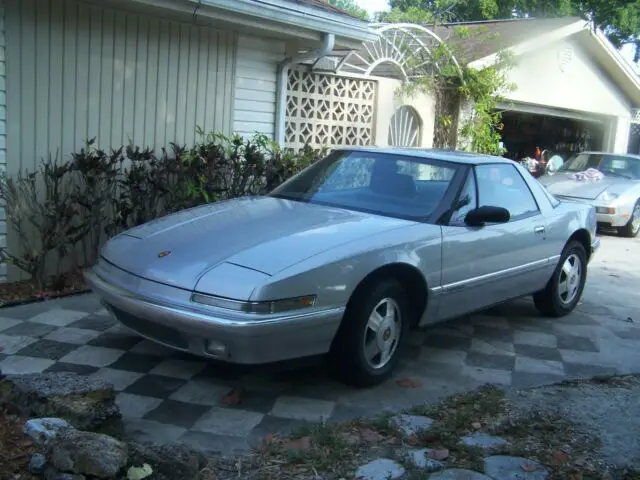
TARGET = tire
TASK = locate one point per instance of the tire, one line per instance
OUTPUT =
(631, 229)
(348, 360)
(550, 302)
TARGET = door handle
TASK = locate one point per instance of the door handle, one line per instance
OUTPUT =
(539, 230)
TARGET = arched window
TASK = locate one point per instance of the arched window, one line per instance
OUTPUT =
(404, 130)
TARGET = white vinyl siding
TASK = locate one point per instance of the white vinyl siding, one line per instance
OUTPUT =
(3, 132)
(76, 71)
(255, 96)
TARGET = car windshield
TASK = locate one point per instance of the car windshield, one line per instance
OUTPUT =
(610, 165)
(379, 183)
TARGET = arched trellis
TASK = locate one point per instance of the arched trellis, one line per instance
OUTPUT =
(402, 50)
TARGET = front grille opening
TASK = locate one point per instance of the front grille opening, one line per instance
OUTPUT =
(161, 333)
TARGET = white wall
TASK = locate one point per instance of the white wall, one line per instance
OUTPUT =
(388, 101)
(563, 75)
(621, 127)
(255, 85)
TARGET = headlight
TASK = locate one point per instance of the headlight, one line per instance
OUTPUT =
(266, 307)
(608, 196)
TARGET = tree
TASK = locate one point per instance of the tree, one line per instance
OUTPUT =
(618, 19)
(351, 7)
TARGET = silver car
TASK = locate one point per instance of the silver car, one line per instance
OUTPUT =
(346, 258)
(616, 196)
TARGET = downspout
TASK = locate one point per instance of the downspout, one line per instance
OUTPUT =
(283, 73)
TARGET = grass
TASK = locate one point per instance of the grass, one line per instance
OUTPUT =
(335, 450)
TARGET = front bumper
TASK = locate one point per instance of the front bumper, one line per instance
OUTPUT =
(613, 220)
(604, 216)
(165, 315)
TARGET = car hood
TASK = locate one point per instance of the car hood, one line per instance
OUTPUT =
(261, 233)
(562, 184)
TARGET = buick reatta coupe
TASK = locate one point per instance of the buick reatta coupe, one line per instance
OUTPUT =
(344, 259)
(615, 193)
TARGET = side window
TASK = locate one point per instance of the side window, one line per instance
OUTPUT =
(466, 202)
(500, 185)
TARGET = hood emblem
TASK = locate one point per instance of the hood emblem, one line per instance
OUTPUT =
(166, 253)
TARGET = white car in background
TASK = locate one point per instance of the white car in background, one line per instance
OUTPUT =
(615, 193)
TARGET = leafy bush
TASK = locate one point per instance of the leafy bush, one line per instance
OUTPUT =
(42, 212)
(99, 193)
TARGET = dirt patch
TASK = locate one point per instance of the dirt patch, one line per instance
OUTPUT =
(24, 291)
(15, 448)
(568, 448)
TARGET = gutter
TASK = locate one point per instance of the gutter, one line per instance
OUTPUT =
(294, 14)
(282, 80)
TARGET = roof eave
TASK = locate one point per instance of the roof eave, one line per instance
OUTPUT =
(628, 80)
(533, 44)
(299, 15)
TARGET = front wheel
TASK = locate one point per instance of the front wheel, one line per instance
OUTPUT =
(564, 289)
(632, 227)
(366, 349)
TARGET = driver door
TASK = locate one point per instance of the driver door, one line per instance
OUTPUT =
(482, 266)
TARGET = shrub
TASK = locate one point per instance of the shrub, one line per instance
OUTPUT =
(99, 193)
(41, 210)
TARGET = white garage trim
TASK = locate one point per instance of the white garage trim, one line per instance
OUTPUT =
(551, 112)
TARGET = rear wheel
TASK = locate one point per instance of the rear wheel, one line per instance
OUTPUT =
(367, 346)
(564, 289)
(632, 227)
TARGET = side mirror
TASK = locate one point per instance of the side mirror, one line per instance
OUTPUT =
(480, 216)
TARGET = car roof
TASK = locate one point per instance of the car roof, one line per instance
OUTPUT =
(455, 156)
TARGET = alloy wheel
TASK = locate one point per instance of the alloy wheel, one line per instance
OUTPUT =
(382, 333)
(570, 279)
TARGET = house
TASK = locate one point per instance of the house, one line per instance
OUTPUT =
(300, 71)
(573, 90)
(151, 71)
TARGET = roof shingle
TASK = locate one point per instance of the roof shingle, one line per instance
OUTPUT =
(489, 37)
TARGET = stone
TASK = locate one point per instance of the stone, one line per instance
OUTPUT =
(459, 474)
(87, 403)
(51, 473)
(88, 453)
(380, 469)
(419, 458)
(484, 441)
(42, 430)
(411, 425)
(506, 467)
(168, 462)
(37, 463)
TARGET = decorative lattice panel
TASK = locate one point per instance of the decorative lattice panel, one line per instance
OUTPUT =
(635, 116)
(329, 111)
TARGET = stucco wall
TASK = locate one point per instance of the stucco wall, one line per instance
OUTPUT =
(388, 101)
(563, 75)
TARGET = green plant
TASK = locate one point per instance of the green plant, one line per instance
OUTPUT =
(99, 193)
(453, 82)
(42, 212)
(96, 173)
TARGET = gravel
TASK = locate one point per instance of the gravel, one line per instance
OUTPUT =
(609, 410)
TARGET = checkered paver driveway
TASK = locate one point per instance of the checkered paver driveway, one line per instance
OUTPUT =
(166, 396)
